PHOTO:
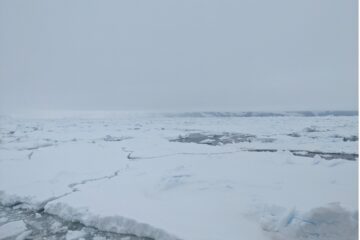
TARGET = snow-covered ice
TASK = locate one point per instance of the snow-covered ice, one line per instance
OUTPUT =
(176, 177)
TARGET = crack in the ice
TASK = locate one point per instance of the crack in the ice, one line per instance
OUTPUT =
(30, 155)
(73, 185)
(37, 147)
(131, 157)
(73, 188)
(311, 154)
(42, 205)
(300, 153)
(326, 155)
(261, 150)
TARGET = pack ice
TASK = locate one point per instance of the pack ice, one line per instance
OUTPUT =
(190, 177)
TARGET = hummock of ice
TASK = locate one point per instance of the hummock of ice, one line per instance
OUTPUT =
(331, 222)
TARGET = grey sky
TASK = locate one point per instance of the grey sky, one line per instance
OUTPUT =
(178, 55)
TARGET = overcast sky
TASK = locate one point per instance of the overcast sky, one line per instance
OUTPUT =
(178, 55)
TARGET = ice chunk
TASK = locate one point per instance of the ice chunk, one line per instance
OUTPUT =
(11, 229)
(116, 224)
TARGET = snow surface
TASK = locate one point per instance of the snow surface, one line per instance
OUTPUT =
(72, 235)
(129, 175)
